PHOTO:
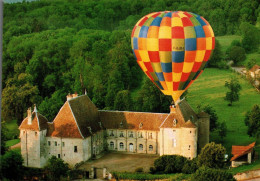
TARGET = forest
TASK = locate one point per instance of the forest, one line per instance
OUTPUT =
(52, 48)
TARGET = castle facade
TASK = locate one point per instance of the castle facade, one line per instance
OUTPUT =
(80, 131)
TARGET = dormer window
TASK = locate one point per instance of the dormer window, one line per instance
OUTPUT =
(140, 125)
(121, 124)
(191, 118)
(174, 122)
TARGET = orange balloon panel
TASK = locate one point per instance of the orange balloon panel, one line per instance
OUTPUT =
(172, 48)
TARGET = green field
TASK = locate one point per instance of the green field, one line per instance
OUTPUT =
(12, 142)
(225, 41)
(13, 131)
(209, 89)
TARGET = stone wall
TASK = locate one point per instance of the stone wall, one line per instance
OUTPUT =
(143, 141)
(203, 131)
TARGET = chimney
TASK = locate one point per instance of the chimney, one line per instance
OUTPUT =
(29, 115)
(69, 96)
(75, 95)
(172, 109)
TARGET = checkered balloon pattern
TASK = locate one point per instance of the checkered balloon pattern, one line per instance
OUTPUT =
(172, 48)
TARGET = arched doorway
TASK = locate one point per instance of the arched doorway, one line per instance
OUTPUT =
(131, 147)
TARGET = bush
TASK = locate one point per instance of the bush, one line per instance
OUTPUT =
(237, 54)
(212, 156)
(152, 170)
(190, 166)
(169, 163)
(12, 165)
(55, 168)
(204, 173)
(139, 170)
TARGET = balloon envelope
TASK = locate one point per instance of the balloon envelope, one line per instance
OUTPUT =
(172, 48)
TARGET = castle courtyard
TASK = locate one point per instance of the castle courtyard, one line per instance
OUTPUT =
(121, 162)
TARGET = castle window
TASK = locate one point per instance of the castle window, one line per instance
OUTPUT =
(23, 132)
(121, 134)
(189, 147)
(58, 155)
(35, 133)
(121, 145)
(75, 149)
(150, 135)
(174, 122)
(55, 143)
(63, 144)
(190, 131)
(49, 143)
(140, 135)
(131, 135)
(150, 147)
(111, 133)
(112, 145)
(174, 142)
(140, 125)
(141, 147)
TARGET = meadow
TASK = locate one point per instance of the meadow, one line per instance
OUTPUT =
(209, 90)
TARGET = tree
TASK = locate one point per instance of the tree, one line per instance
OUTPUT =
(234, 87)
(212, 156)
(237, 54)
(252, 120)
(190, 166)
(213, 116)
(204, 173)
(12, 165)
(17, 96)
(250, 35)
(3, 137)
(123, 101)
(222, 130)
(216, 56)
(56, 168)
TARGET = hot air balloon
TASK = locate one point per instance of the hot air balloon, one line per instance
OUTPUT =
(172, 48)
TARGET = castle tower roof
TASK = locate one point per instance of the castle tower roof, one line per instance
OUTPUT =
(75, 116)
(38, 122)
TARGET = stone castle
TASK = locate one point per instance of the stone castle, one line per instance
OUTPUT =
(80, 131)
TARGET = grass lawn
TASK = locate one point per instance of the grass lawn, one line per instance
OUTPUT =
(225, 41)
(12, 142)
(209, 89)
(13, 130)
(255, 56)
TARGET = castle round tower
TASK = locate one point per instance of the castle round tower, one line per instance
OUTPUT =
(189, 140)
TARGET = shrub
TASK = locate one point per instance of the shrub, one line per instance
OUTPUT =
(169, 163)
(152, 170)
(190, 166)
(212, 156)
(139, 170)
(237, 54)
(12, 165)
(55, 168)
(204, 173)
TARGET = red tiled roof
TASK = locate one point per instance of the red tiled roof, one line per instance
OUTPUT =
(238, 151)
(132, 120)
(254, 68)
(75, 118)
(189, 124)
(64, 125)
(39, 122)
(168, 122)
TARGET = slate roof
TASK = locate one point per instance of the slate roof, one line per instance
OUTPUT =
(39, 122)
(238, 151)
(184, 110)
